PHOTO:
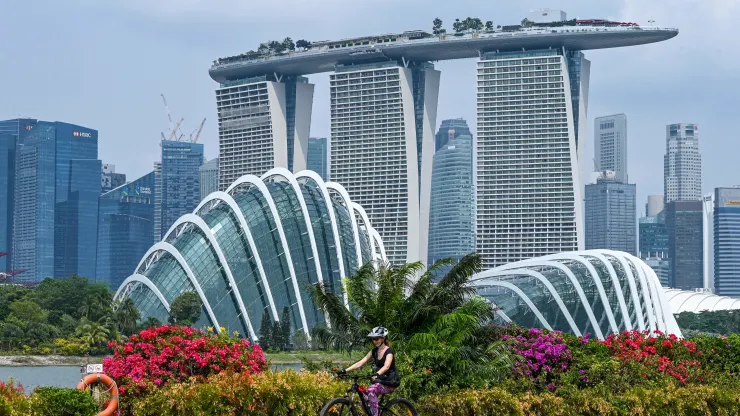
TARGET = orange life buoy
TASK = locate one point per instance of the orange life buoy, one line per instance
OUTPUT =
(107, 382)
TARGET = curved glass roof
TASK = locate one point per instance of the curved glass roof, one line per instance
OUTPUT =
(594, 291)
(687, 301)
(254, 250)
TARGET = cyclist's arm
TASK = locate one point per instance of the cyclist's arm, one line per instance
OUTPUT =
(360, 363)
(386, 365)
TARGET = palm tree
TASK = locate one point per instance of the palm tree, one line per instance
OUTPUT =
(126, 316)
(93, 334)
(392, 297)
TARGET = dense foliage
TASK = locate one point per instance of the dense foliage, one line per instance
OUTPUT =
(275, 336)
(64, 316)
(170, 354)
(717, 322)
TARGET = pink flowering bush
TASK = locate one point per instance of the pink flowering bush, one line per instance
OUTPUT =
(172, 354)
(543, 354)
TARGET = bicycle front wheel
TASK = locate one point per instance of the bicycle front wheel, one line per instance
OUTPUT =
(399, 407)
(341, 406)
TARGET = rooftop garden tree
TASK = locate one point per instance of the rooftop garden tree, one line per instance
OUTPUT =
(185, 309)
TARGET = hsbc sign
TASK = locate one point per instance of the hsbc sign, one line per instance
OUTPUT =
(81, 134)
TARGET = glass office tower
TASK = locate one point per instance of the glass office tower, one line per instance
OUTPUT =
(208, 178)
(727, 241)
(451, 217)
(8, 139)
(57, 186)
(611, 215)
(459, 127)
(684, 221)
(318, 156)
(180, 176)
(125, 229)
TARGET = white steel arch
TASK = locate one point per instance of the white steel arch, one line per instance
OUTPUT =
(632, 284)
(257, 182)
(597, 280)
(228, 200)
(539, 276)
(285, 173)
(199, 223)
(617, 287)
(171, 250)
(366, 220)
(140, 278)
(379, 241)
(348, 204)
(573, 279)
(309, 174)
(523, 296)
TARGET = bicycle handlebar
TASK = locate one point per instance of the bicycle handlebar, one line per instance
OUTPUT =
(355, 377)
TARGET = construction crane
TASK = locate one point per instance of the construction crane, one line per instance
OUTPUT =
(173, 134)
(167, 108)
(199, 129)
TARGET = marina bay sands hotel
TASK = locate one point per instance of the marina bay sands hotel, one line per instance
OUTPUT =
(532, 99)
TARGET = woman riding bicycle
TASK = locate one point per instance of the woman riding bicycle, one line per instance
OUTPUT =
(385, 378)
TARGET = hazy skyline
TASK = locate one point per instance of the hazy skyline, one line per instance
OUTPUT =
(104, 64)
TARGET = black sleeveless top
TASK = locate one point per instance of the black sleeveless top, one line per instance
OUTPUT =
(390, 377)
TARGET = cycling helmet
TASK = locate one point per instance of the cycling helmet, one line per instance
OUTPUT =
(378, 332)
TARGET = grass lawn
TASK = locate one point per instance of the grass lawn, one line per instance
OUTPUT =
(294, 357)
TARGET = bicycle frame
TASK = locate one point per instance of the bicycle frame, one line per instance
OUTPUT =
(355, 390)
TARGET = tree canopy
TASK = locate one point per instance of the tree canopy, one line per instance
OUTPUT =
(185, 309)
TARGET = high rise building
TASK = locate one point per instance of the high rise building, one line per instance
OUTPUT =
(8, 139)
(531, 118)
(180, 181)
(653, 236)
(110, 179)
(383, 117)
(458, 125)
(684, 221)
(57, 186)
(727, 241)
(610, 145)
(125, 229)
(318, 156)
(208, 178)
(682, 163)
(654, 205)
(611, 215)
(451, 217)
(263, 123)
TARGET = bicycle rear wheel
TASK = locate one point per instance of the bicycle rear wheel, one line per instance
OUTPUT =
(399, 407)
(341, 406)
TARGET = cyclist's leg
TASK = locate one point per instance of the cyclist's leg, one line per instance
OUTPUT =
(373, 392)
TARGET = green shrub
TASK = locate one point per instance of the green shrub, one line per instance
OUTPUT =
(56, 401)
(488, 402)
(267, 394)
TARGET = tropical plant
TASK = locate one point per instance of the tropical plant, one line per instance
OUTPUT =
(185, 309)
(302, 44)
(126, 316)
(93, 333)
(393, 297)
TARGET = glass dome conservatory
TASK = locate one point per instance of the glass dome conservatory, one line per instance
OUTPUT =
(594, 291)
(254, 250)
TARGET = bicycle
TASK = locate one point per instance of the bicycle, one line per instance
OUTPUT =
(345, 405)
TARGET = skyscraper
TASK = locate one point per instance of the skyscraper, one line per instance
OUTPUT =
(318, 156)
(125, 229)
(531, 118)
(263, 123)
(180, 178)
(157, 201)
(57, 185)
(682, 163)
(458, 125)
(208, 178)
(610, 144)
(451, 217)
(611, 215)
(684, 221)
(8, 138)
(383, 117)
(110, 179)
(727, 241)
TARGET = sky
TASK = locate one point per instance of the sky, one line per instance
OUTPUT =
(104, 64)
